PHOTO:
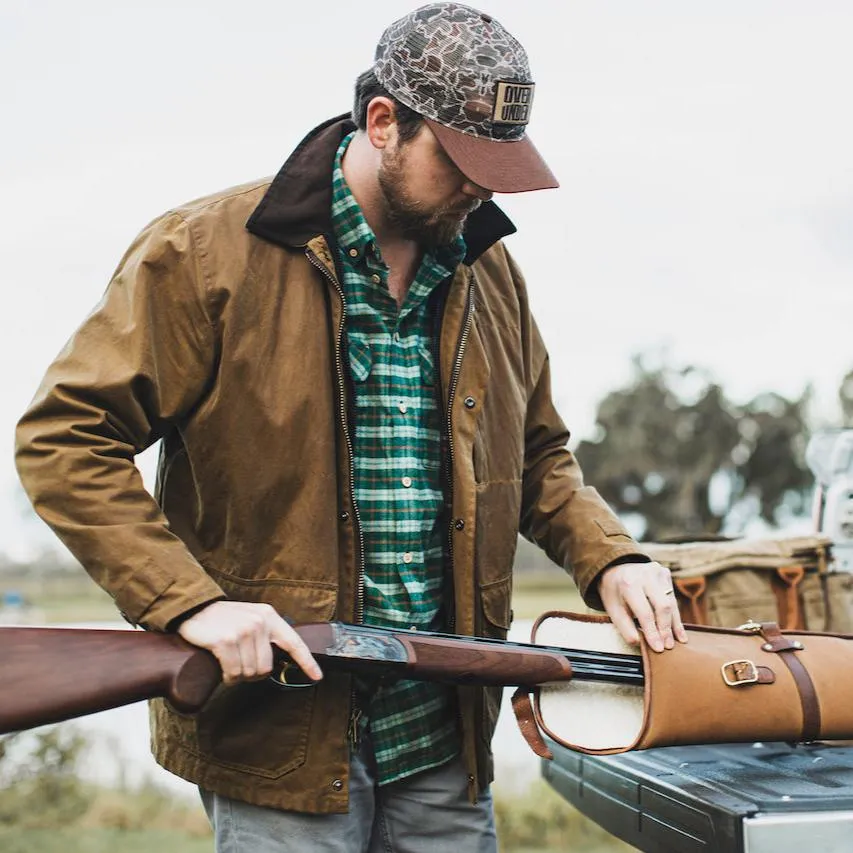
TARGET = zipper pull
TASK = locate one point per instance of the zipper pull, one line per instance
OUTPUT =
(354, 729)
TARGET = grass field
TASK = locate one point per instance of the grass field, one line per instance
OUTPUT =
(538, 822)
(46, 808)
(73, 597)
(154, 841)
(75, 840)
(67, 596)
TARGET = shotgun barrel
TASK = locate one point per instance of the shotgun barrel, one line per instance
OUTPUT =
(453, 659)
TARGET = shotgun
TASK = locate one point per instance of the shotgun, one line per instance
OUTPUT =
(52, 674)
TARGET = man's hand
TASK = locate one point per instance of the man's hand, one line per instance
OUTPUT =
(240, 634)
(642, 591)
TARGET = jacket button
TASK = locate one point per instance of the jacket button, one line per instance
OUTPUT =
(470, 778)
(344, 515)
(470, 402)
(459, 524)
(338, 785)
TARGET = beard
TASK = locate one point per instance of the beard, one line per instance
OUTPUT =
(432, 228)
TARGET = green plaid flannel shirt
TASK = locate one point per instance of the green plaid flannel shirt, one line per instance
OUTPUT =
(398, 487)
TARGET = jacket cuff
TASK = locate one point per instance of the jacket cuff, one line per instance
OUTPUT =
(173, 624)
(168, 609)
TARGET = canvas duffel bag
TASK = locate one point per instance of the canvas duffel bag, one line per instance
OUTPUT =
(789, 580)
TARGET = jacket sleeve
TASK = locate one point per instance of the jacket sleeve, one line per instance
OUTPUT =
(139, 363)
(568, 519)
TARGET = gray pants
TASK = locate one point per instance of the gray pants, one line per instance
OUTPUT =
(426, 813)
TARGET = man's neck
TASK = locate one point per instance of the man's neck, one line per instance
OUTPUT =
(401, 254)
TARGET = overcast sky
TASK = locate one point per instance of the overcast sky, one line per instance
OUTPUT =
(704, 150)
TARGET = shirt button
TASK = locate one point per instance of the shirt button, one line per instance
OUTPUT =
(407, 557)
(338, 785)
(407, 482)
(376, 279)
(353, 253)
(403, 407)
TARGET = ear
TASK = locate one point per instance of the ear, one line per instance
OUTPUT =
(381, 122)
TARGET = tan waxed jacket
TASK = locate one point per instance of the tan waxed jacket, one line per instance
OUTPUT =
(221, 333)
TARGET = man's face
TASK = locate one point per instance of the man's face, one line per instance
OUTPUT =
(427, 198)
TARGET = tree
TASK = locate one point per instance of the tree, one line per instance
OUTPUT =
(673, 450)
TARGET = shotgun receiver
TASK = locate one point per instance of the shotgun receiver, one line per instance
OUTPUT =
(53, 674)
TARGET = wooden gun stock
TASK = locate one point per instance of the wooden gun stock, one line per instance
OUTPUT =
(53, 674)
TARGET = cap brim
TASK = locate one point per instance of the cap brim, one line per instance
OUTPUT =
(502, 167)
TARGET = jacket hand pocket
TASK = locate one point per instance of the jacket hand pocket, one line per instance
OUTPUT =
(495, 602)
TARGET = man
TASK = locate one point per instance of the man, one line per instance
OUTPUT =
(355, 413)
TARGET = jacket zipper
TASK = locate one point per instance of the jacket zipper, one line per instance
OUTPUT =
(358, 611)
(451, 395)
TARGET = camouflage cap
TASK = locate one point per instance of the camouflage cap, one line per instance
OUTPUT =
(470, 79)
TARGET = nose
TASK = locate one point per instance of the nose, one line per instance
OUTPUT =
(470, 188)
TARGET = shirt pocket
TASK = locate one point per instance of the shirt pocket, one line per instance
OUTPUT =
(426, 362)
(360, 356)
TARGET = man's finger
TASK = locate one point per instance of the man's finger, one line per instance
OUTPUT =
(263, 654)
(246, 650)
(663, 602)
(639, 605)
(289, 641)
(677, 625)
(228, 655)
(623, 622)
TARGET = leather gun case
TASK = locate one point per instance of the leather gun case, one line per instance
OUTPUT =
(724, 686)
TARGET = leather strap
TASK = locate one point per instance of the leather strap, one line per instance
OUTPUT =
(786, 588)
(693, 590)
(766, 675)
(523, 709)
(776, 642)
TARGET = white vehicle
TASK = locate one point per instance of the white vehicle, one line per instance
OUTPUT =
(829, 455)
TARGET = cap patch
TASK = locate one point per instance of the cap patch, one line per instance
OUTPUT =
(513, 102)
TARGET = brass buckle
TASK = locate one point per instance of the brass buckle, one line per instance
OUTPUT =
(750, 625)
(737, 673)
